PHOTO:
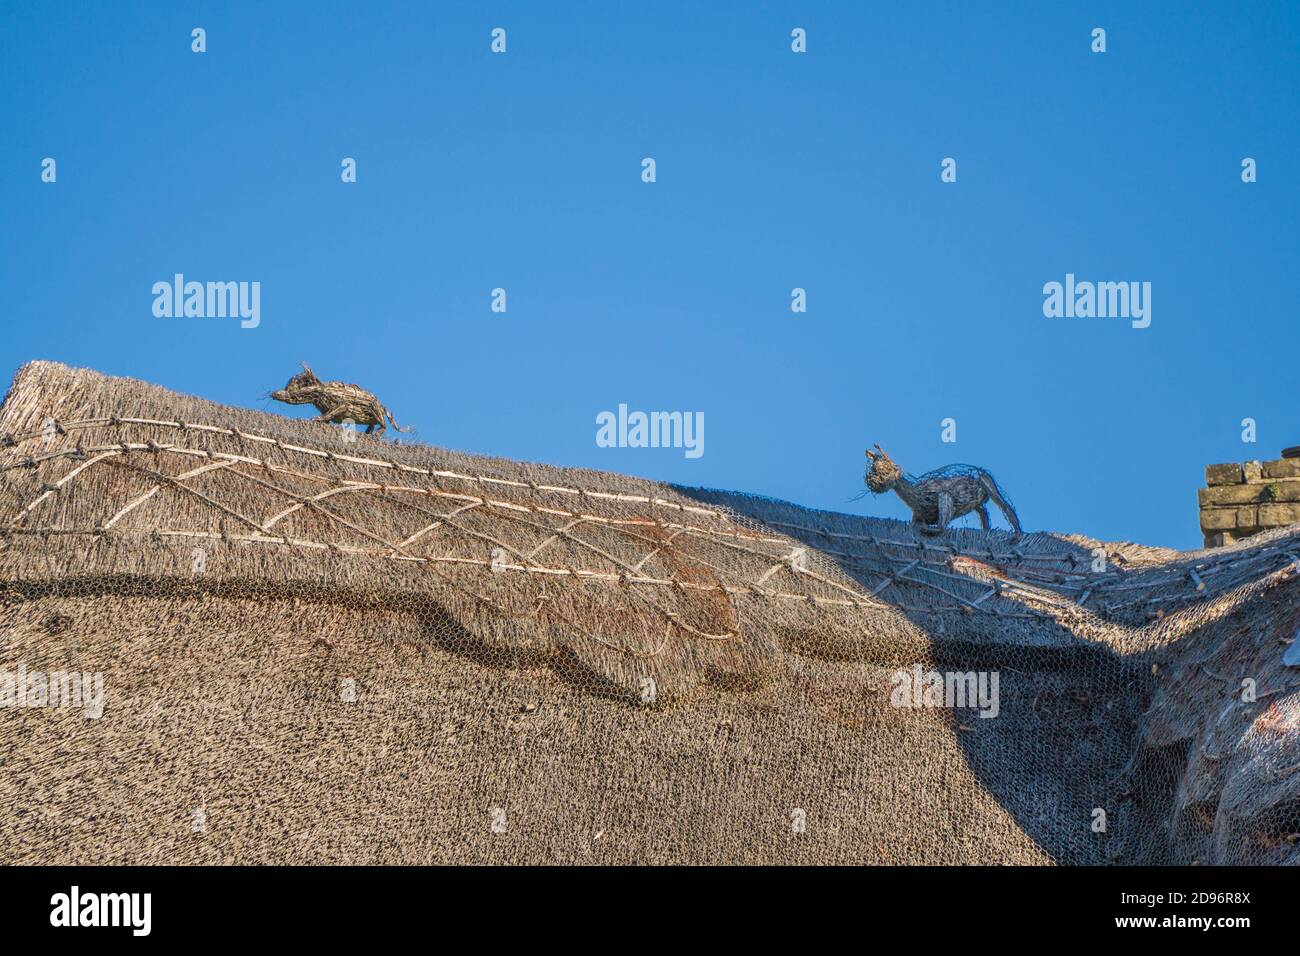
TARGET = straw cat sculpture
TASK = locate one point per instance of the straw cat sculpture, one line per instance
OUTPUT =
(941, 495)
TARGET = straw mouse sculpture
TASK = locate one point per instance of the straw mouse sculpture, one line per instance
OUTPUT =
(337, 401)
(943, 494)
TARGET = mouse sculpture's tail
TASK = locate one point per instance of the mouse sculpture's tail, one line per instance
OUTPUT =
(1002, 500)
(393, 421)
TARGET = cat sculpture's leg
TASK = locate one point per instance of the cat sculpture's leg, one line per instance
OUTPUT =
(945, 511)
(331, 414)
(922, 526)
(984, 517)
(1004, 505)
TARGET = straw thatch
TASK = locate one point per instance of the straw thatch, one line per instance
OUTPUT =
(318, 646)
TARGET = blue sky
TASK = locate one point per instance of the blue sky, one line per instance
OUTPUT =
(775, 170)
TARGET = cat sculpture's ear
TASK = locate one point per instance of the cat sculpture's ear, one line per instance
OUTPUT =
(870, 456)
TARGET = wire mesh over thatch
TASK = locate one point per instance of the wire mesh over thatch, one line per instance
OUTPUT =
(319, 646)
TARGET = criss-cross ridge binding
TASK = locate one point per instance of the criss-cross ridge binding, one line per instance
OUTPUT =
(1013, 571)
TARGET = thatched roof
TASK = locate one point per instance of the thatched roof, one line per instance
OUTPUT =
(331, 647)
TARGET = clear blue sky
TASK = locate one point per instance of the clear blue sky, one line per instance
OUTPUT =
(775, 170)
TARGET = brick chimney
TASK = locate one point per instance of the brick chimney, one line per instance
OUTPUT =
(1244, 499)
